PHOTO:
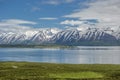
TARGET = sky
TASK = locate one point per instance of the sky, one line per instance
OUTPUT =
(35, 14)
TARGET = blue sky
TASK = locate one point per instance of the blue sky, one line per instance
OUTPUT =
(58, 13)
(33, 10)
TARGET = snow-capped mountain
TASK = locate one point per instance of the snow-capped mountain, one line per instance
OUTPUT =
(115, 33)
(78, 37)
(89, 36)
(11, 38)
(28, 37)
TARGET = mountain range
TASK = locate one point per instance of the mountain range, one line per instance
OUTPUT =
(77, 37)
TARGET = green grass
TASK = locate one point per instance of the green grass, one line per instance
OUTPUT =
(78, 75)
(48, 71)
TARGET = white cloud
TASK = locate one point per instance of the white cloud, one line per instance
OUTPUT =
(106, 12)
(57, 2)
(72, 22)
(16, 21)
(15, 25)
(48, 18)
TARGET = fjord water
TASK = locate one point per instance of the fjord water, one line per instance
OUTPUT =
(76, 55)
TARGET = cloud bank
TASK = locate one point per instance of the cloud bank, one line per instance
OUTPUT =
(106, 12)
(15, 25)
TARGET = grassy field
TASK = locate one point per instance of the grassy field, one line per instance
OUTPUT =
(47, 71)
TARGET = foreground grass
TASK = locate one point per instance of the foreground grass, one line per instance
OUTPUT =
(78, 75)
(47, 71)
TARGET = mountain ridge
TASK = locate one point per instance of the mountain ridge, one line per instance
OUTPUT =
(89, 36)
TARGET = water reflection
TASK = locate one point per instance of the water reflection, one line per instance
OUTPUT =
(79, 55)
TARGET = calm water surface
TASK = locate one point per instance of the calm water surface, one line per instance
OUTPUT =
(78, 55)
